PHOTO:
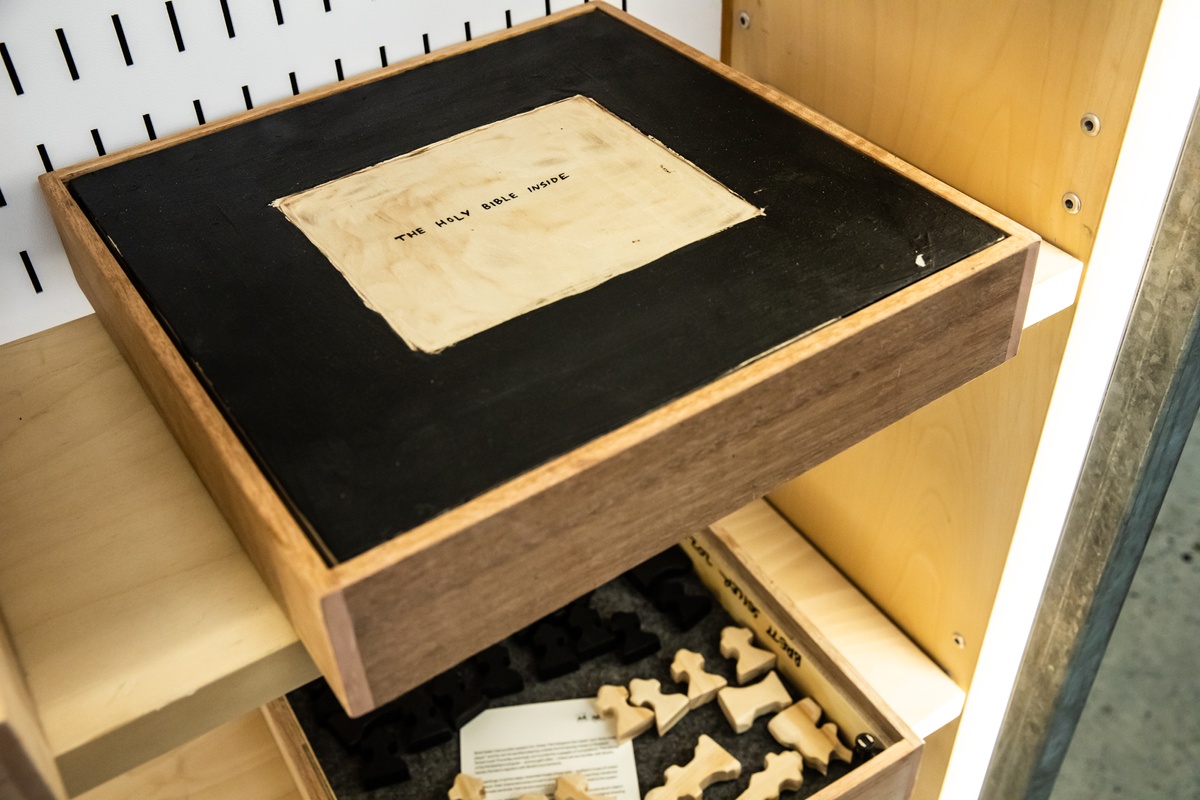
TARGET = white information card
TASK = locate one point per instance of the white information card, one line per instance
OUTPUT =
(524, 749)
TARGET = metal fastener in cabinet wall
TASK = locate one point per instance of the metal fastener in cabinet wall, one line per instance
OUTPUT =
(960, 641)
(1071, 203)
(744, 20)
(1090, 124)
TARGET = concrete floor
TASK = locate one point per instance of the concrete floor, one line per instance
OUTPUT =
(1139, 737)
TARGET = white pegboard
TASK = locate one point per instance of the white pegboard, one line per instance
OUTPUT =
(77, 77)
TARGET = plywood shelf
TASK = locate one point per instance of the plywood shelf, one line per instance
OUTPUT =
(134, 612)
(239, 760)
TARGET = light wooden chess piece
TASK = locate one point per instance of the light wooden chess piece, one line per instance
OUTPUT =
(744, 705)
(574, 787)
(612, 702)
(467, 787)
(751, 661)
(702, 686)
(711, 763)
(668, 708)
(796, 727)
(782, 772)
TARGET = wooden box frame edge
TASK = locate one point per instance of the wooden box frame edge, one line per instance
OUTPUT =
(337, 611)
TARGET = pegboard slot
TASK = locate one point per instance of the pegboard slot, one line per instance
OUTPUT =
(96, 139)
(295, 85)
(66, 51)
(228, 18)
(175, 25)
(41, 148)
(327, 7)
(31, 272)
(548, 11)
(121, 40)
(278, 12)
(199, 112)
(383, 62)
(3, 202)
(12, 70)
(467, 28)
(246, 97)
(508, 18)
(425, 42)
(149, 127)
(337, 65)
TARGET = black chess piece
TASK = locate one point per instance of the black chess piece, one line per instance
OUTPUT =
(498, 678)
(348, 730)
(633, 643)
(672, 563)
(591, 637)
(324, 702)
(553, 654)
(421, 721)
(866, 746)
(382, 764)
(685, 609)
(461, 700)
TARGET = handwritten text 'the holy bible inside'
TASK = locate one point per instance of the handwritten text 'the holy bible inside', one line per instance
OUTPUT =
(486, 206)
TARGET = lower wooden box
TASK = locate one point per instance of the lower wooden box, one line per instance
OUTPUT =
(327, 767)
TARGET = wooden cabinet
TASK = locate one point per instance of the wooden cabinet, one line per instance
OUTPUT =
(389, 491)
(138, 622)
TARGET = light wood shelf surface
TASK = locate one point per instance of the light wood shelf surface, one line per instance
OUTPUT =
(239, 760)
(138, 619)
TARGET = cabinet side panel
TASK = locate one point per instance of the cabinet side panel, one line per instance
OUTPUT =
(920, 515)
(987, 97)
(27, 768)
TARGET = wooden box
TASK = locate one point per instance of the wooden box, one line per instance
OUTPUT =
(809, 665)
(413, 494)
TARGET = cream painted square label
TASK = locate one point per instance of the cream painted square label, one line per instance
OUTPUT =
(457, 237)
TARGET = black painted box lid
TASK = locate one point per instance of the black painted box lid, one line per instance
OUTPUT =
(366, 438)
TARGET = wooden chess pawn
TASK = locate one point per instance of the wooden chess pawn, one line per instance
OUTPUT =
(467, 787)
(751, 661)
(668, 708)
(743, 705)
(702, 686)
(796, 727)
(783, 772)
(612, 702)
(710, 764)
(574, 786)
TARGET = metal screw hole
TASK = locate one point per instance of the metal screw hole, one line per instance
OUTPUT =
(744, 20)
(1071, 202)
(1090, 124)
